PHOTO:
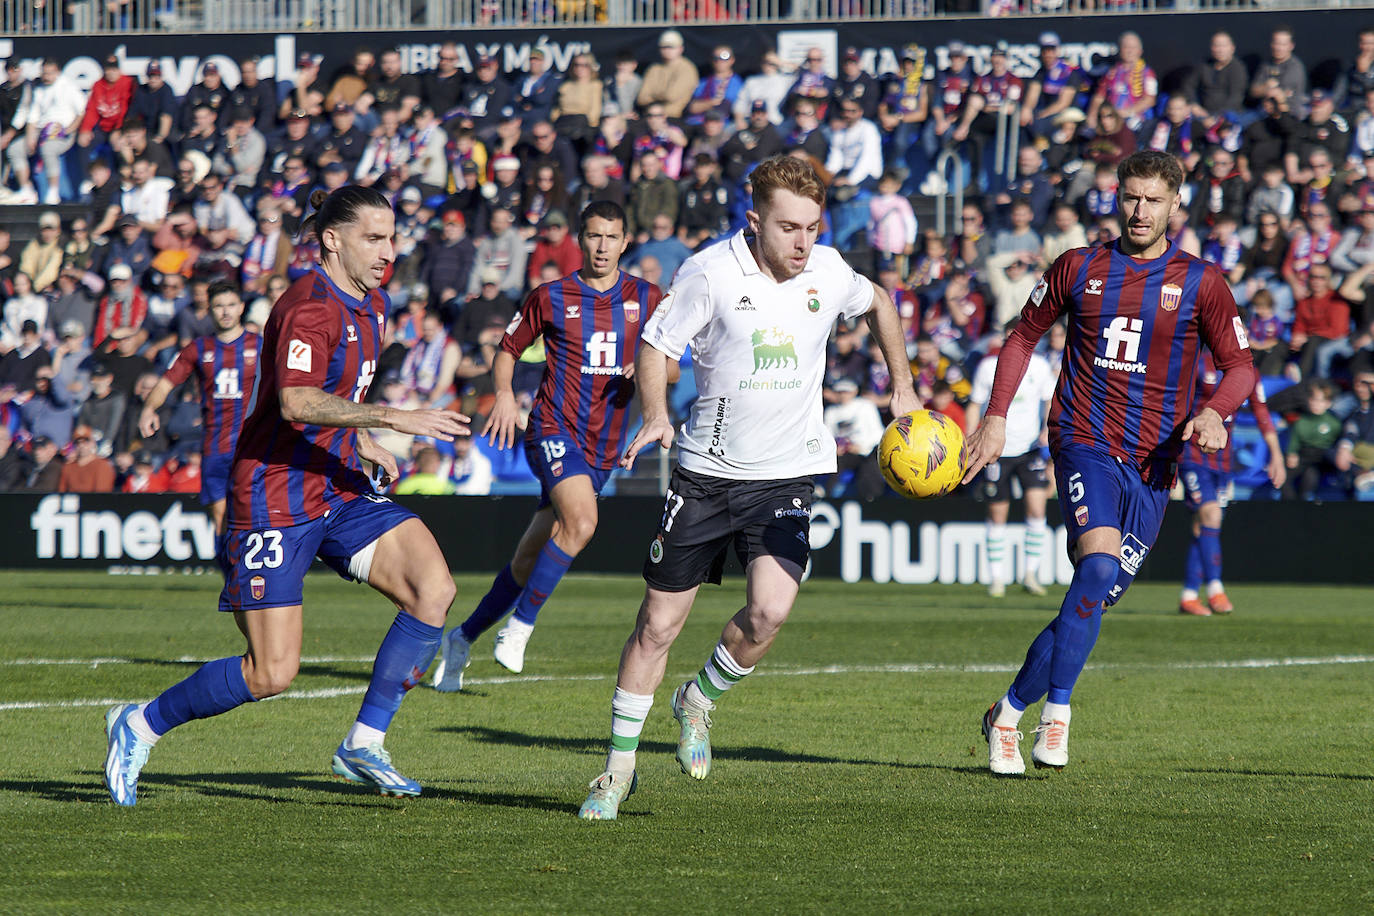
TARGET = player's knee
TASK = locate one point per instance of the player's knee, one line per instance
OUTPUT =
(766, 619)
(1097, 573)
(267, 679)
(435, 593)
(576, 532)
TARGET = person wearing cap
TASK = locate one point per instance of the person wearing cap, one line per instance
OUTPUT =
(123, 306)
(671, 80)
(1053, 90)
(902, 110)
(719, 91)
(86, 472)
(70, 314)
(156, 104)
(535, 94)
(574, 433)
(107, 106)
(344, 139)
(295, 140)
(103, 411)
(448, 260)
(857, 428)
(556, 244)
(758, 140)
(486, 95)
(704, 211)
(210, 92)
(44, 468)
(130, 246)
(146, 476)
(49, 122)
(854, 83)
(1322, 129)
(504, 249)
(21, 363)
(507, 189)
(41, 258)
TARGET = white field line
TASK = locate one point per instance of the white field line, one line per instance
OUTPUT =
(332, 692)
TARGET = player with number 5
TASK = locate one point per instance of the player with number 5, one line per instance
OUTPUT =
(298, 490)
(1138, 309)
(590, 323)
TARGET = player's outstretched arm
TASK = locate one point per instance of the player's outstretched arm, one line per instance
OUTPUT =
(504, 419)
(985, 445)
(886, 326)
(320, 408)
(148, 421)
(651, 371)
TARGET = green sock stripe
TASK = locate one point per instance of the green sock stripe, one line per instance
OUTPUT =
(712, 692)
(624, 742)
(625, 718)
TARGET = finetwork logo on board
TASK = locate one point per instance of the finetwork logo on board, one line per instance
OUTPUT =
(62, 531)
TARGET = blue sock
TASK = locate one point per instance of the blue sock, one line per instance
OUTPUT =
(1080, 620)
(1209, 544)
(1034, 677)
(1192, 567)
(544, 578)
(213, 688)
(493, 606)
(407, 650)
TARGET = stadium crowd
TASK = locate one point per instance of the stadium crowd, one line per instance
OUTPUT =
(143, 199)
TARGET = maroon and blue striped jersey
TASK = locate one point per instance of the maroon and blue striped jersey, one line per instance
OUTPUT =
(590, 338)
(289, 473)
(1208, 378)
(225, 373)
(1134, 331)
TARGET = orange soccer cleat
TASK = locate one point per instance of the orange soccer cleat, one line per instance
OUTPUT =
(1194, 607)
(1220, 604)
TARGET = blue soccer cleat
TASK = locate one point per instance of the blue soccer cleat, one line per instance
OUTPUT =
(607, 792)
(694, 742)
(371, 766)
(126, 755)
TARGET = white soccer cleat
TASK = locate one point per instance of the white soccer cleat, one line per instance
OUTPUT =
(1004, 745)
(509, 650)
(1051, 744)
(1031, 583)
(448, 674)
(997, 590)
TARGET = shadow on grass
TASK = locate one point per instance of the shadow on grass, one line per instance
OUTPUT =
(597, 747)
(1239, 771)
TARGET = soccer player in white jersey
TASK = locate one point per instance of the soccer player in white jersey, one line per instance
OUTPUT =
(757, 311)
(1022, 460)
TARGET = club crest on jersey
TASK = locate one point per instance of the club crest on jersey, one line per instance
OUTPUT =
(258, 586)
(1094, 288)
(1080, 515)
(572, 311)
(352, 334)
(631, 310)
(813, 301)
(207, 357)
(1170, 295)
(556, 469)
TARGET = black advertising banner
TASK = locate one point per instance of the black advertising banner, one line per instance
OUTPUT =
(891, 540)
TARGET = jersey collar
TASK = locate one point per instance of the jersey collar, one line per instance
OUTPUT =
(744, 255)
(354, 303)
(1138, 264)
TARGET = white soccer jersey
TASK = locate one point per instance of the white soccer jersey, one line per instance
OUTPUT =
(1026, 416)
(758, 351)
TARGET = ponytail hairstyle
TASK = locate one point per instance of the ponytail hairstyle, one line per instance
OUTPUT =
(339, 208)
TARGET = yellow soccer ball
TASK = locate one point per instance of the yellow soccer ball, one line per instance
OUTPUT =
(922, 454)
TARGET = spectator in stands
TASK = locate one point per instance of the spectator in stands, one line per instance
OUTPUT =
(854, 83)
(1130, 86)
(1265, 142)
(1312, 438)
(441, 87)
(255, 93)
(756, 141)
(392, 88)
(904, 106)
(546, 191)
(1067, 234)
(812, 83)
(1309, 247)
(555, 244)
(202, 136)
(124, 305)
(855, 424)
(1053, 90)
(503, 249)
(547, 146)
(1220, 192)
(1266, 332)
(1354, 455)
(343, 142)
(80, 251)
(449, 259)
(242, 152)
(1273, 196)
(949, 95)
(351, 85)
(44, 469)
(14, 94)
(41, 258)
(132, 143)
(107, 106)
(891, 222)
(931, 367)
(663, 245)
(1218, 87)
(1018, 236)
(652, 195)
(148, 199)
(1318, 183)
(1011, 276)
(19, 366)
(12, 464)
(155, 104)
(293, 142)
(1322, 325)
(621, 86)
(50, 122)
(385, 152)
(269, 250)
(1355, 85)
(426, 478)
(1324, 131)
(51, 410)
(994, 95)
(103, 411)
(581, 96)
(957, 320)
(1032, 183)
(145, 477)
(427, 165)
(486, 96)
(1177, 134)
(86, 472)
(24, 306)
(670, 81)
(707, 141)
(537, 92)
(1222, 246)
(770, 86)
(210, 92)
(704, 212)
(471, 470)
(222, 218)
(195, 319)
(490, 308)
(430, 364)
(72, 303)
(1283, 73)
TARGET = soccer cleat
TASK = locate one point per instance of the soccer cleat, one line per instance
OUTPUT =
(1004, 745)
(1220, 604)
(511, 640)
(1194, 607)
(371, 766)
(1031, 584)
(694, 744)
(997, 590)
(126, 755)
(448, 674)
(607, 792)
(1051, 744)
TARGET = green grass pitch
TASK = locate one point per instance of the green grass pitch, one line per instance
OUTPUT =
(1218, 765)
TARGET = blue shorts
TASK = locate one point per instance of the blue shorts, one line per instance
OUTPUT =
(1099, 491)
(214, 477)
(554, 459)
(1204, 485)
(266, 568)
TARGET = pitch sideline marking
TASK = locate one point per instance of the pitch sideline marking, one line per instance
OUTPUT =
(923, 668)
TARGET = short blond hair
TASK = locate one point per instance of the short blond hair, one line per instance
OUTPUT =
(786, 173)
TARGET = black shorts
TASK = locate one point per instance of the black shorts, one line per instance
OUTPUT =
(1029, 469)
(702, 515)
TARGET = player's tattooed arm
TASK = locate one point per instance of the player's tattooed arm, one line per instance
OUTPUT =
(320, 408)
